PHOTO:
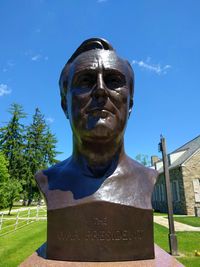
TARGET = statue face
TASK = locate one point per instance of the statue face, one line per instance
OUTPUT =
(98, 95)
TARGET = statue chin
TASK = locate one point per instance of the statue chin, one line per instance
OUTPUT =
(103, 128)
(101, 131)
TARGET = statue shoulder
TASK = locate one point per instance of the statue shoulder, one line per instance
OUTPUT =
(145, 172)
(42, 181)
(42, 177)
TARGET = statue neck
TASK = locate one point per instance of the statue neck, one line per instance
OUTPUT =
(98, 157)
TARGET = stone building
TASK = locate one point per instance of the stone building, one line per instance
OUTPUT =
(184, 169)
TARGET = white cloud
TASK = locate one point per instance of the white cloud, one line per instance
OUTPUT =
(9, 65)
(49, 120)
(101, 1)
(33, 56)
(156, 68)
(36, 57)
(4, 89)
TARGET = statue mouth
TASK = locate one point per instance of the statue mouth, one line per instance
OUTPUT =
(100, 112)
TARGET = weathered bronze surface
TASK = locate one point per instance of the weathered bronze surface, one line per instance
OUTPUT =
(96, 88)
(107, 232)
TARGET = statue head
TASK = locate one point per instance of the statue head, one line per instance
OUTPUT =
(96, 88)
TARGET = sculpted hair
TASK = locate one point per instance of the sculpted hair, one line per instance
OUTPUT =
(89, 44)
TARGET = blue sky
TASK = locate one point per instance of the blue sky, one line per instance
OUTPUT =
(161, 39)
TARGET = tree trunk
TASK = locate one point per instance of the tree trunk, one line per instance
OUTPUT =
(30, 195)
(39, 201)
(10, 208)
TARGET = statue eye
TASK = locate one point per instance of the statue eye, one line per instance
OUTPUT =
(85, 81)
(114, 81)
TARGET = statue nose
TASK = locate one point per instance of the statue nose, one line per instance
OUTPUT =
(100, 88)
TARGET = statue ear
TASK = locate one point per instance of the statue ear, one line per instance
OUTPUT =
(64, 106)
(130, 106)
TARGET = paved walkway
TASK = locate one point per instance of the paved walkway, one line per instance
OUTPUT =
(178, 226)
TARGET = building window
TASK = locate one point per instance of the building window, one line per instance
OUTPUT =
(196, 186)
(162, 192)
(157, 193)
(154, 194)
(175, 191)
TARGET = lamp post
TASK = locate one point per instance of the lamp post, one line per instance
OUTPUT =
(172, 235)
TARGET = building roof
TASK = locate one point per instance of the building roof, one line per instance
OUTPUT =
(181, 154)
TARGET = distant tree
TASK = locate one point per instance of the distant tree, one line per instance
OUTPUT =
(12, 146)
(26, 150)
(50, 152)
(12, 192)
(9, 188)
(4, 176)
(12, 142)
(39, 152)
(143, 159)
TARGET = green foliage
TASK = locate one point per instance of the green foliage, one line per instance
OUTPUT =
(9, 188)
(143, 159)
(41, 143)
(12, 142)
(11, 191)
(4, 177)
(12, 145)
(27, 149)
(49, 148)
(39, 152)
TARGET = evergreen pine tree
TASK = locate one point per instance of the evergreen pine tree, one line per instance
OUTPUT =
(26, 150)
(9, 188)
(39, 153)
(50, 148)
(12, 142)
(143, 159)
(4, 176)
(11, 146)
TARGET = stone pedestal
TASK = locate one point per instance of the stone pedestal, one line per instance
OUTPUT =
(100, 231)
(162, 259)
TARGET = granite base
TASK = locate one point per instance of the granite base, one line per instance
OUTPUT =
(162, 259)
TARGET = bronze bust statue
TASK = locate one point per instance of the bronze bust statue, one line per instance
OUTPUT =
(97, 89)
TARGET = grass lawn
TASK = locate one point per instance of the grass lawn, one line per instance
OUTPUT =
(16, 207)
(190, 220)
(188, 242)
(159, 214)
(17, 246)
(23, 218)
